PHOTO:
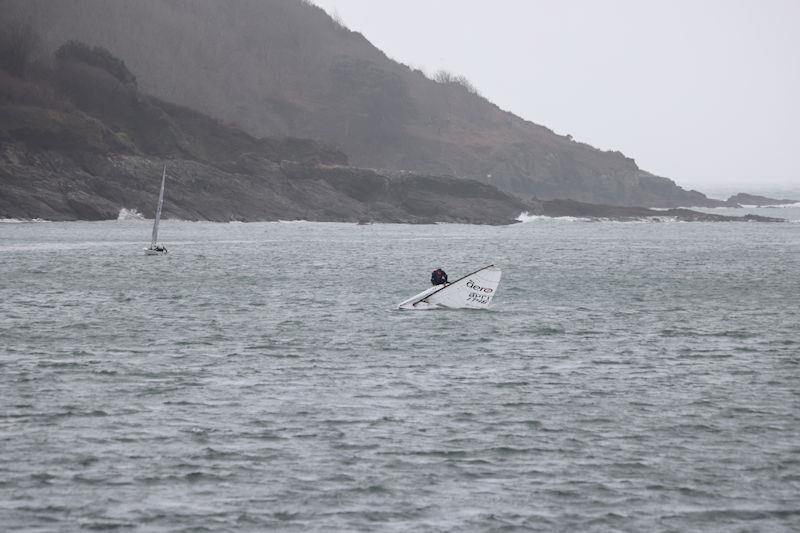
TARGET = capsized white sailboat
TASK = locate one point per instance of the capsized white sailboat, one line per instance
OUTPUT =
(155, 248)
(473, 291)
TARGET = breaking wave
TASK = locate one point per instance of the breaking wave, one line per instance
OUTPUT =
(525, 217)
(129, 214)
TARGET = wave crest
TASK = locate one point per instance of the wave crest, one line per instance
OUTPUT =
(525, 217)
(129, 214)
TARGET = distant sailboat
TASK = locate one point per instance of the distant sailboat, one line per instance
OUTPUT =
(473, 291)
(155, 248)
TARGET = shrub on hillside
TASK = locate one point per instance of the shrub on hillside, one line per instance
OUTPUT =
(444, 77)
(96, 56)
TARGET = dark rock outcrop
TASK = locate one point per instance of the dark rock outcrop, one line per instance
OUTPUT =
(571, 208)
(741, 199)
(53, 185)
(59, 185)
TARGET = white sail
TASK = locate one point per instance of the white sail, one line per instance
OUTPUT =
(473, 291)
(158, 209)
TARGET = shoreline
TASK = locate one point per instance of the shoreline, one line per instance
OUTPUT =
(657, 216)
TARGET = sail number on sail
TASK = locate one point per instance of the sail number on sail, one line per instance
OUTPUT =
(478, 298)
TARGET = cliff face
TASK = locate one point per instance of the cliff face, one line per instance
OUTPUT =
(78, 142)
(284, 68)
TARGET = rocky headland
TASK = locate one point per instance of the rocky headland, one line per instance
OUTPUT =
(80, 141)
(285, 68)
(571, 208)
(742, 199)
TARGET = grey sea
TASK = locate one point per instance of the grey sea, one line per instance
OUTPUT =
(630, 377)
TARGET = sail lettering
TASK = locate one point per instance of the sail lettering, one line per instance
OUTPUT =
(473, 286)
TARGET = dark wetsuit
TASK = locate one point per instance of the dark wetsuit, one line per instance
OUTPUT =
(438, 277)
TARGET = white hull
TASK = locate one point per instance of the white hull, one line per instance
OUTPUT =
(150, 251)
(415, 302)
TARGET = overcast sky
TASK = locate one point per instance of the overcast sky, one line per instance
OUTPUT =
(706, 92)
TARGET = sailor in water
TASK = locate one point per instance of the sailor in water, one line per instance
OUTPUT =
(439, 277)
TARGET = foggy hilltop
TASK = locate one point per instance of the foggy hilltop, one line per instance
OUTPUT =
(231, 88)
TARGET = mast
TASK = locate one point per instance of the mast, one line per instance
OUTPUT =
(473, 291)
(450, 285)
(158, 209)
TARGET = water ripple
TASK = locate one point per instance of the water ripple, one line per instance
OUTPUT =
(631, 377)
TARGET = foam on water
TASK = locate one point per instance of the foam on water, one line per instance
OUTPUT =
(20, 220)
(129, 214)
(525, 217)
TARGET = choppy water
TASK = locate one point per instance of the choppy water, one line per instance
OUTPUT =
(637, 377)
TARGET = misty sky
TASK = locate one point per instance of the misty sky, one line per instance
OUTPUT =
(704, 92)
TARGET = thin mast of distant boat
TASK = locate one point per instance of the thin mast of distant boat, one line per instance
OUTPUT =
(158, 209)
(154, 249)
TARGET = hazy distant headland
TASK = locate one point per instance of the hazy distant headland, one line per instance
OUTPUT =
(742, 199)
(269, 109)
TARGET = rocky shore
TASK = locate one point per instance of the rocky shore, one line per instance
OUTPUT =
(53, 185)
(742, 199)
(571, 208)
